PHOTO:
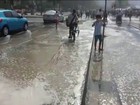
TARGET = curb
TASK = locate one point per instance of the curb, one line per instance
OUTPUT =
(36, 16)
(83, 101)
(32, 16)
(134, 27)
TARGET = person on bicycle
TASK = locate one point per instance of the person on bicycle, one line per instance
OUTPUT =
(73, 23)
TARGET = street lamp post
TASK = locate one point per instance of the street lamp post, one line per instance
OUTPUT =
(105, 13)
(41, 7)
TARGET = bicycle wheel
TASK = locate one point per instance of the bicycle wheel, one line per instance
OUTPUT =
(78, 31)
(73, 35)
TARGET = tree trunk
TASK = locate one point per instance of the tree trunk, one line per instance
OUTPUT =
(11, 3)
(41, 7)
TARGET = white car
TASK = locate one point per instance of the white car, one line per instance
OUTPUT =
(50, 16)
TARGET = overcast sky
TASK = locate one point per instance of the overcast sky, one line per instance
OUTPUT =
(134, 2)
(110, 2)
(101, 3)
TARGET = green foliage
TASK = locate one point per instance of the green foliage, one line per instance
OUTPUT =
(55, 1)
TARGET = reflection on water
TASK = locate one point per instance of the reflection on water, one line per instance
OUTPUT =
(44, 71)
(37, 93)
(5, 40)
(22, 37)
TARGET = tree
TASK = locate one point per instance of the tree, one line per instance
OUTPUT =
(12, 3)
(56, 3)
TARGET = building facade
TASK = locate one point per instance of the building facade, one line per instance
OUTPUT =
(121, 3)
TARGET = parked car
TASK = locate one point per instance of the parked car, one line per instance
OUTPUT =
(18, 10)
(11, 21)
(50, 16)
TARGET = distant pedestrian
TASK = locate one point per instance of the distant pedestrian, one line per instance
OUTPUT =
(81, 13)
(87, 14)
(130, 15)
(98, 24)
(100, 12)
(56, 19)
(93, 15)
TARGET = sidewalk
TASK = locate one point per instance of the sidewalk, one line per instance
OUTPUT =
(41, 16)
(33, 16)
(101, 89)
(115, 80)
(135, 22)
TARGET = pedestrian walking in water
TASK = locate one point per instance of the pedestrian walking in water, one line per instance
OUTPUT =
(100, 12)
(98, 24)
(56, 19)
(130, 15)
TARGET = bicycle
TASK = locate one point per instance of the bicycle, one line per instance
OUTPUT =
(73, 30)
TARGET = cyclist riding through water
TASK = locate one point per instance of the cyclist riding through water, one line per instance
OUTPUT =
(73, 23)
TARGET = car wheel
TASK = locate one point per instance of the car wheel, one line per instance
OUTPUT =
(5, 31)
(45, 22)
(25, 28)
(62, 20)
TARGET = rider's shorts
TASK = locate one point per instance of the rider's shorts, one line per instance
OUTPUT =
(98, 37)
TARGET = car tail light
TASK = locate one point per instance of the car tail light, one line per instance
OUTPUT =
(0, 20)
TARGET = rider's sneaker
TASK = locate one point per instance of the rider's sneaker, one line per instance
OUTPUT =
(74, 38)
(70, 37)
(101, 49)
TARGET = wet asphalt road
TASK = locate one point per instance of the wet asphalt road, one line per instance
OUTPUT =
(35, 20)
(42, 67)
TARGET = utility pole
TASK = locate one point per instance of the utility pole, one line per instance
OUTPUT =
(11, 4)
(54, 4)
(59, 5)
(41, 7)
(105, 12)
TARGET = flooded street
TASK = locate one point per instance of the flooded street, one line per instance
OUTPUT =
(115, 80)
(124, 62)
(43, 67)
(69, 52)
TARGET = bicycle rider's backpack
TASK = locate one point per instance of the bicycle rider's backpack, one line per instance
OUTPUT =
(69, 23)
